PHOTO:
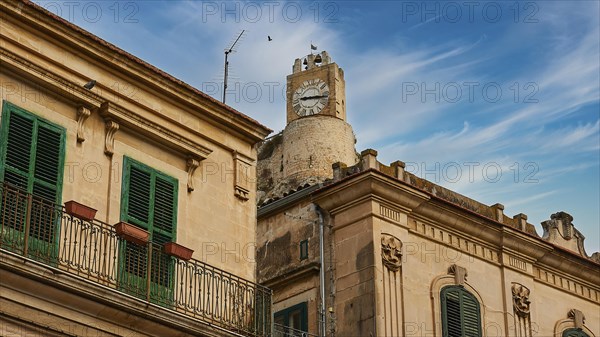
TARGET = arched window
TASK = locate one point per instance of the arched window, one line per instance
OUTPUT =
(574, 332)
(461, 315)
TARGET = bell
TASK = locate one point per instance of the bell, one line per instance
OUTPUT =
(318, 59)
(305, 62)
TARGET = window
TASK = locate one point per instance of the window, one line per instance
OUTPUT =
(574, 332)
(32, 160)
(149, 201)
(295, 317)
(303, 249)
(460, 313)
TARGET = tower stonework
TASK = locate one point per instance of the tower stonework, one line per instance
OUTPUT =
(316, 135)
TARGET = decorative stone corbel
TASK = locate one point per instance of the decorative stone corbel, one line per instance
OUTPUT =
(242, 166)
(520, 295)
(192, 165)
(82, 115)
(391, 252)
(577, 317)
(109, 142)
(460, 274)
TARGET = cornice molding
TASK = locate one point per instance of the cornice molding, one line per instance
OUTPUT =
(287, 278)
(48, 80)
(456, 227)
(335, 198)
(111, 56)
(142, 126)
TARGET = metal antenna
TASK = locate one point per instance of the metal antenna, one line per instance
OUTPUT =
(227, 64)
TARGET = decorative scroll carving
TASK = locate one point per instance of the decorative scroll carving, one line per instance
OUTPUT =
(521, 301)
(192, 165)
(393, 293)
(82, 115)
(567, 223)
(391, 252)
(109, 142)
(460, 274)
(521, 309)
(577, 317)
(242, 168)
(560, 230)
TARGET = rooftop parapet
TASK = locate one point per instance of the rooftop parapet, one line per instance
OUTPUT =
(559, 230)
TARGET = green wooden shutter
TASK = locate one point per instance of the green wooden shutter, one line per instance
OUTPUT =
(149, 200)
(574, 332)
(164, 209)
(32, 159)
(33, 153)
(471, 317)
(139, 197)
(452, 307)
(460, 313)
(46, 182)
(18, 144)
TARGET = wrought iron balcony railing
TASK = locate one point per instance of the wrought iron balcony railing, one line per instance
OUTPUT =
(285, 331)
(42, 231)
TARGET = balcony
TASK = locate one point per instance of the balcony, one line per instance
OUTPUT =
(285, 331)
(42, 231)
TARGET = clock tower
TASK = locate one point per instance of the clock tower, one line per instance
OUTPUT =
(316, 87)
(316, 135)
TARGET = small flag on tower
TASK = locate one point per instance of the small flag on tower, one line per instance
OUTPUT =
(313, 47)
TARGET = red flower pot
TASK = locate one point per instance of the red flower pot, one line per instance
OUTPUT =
(178, 250)
(132, 233)
(79, 210)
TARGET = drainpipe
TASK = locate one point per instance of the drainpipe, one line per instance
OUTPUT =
(322, 316)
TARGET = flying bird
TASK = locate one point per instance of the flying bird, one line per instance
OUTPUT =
(269, 37)
(89, 85)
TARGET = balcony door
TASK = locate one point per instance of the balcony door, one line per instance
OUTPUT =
(149, 201)
(31, 162)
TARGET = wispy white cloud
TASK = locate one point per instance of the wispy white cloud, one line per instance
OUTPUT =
(559, 55)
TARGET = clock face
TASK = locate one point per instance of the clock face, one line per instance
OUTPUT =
(310, 98)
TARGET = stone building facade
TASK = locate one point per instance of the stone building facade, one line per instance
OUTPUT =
(367, 249)
(83, 120)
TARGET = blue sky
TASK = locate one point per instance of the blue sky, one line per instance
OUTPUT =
(497, 100)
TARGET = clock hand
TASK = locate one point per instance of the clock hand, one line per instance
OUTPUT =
(313, 97)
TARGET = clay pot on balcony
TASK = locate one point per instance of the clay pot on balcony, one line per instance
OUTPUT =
(178, 251)
(80, 211)
(132, 233)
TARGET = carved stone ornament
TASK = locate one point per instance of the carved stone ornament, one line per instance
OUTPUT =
(460, 274)
(567, 221)
(242, 165)
(192, 165)
(109, 143)
(577, 317)
(520, 295)
(82, 115)
(391, 252)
